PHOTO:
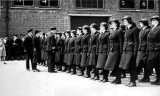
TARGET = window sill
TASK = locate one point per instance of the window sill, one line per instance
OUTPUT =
(134, 10)
(89, 9)
(36, 8)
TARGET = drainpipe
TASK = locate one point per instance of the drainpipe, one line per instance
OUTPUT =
(7, 17)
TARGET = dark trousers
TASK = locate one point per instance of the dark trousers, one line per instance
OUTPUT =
(154, 62)
(51, 61)
(29, 56)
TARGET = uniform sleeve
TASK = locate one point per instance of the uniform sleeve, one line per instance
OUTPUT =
(120, 36)
(136, 38)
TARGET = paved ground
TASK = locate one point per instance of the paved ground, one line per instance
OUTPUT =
(16, 81)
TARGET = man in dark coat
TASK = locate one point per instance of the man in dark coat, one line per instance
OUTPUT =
(153, 41)
(37, 50)
(28, 49)
(50, 48)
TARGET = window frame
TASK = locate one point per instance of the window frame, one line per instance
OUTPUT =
(39, 6)
(1, 6)
(119, 1)
(147, 6)
(23, 6)
(81, 8)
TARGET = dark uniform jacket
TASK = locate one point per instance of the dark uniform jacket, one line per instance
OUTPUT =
(143, 39)
(78, 47)
(103, 42)
(71, 44)
(50, 43)
(116, 41)
(28, 44)
(153, 39)
(37, 43)
(60, 45)
(85, 43)
(93, 43)
(131, 41)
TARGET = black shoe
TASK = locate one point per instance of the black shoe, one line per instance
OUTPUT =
(81, 74)
(132, 84)
(93, 77)
(128, 84)
(158, 83)
(87, 76)
(60, 69)
(69, 71)
(5, 63)
(53, 71)
(118, 82)
(155, 82)
(96, 78)
(144, 80)
(104, 80)
(64, 70)
(113, 81)
(73, 73)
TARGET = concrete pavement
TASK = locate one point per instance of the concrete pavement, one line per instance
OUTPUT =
(16, 81)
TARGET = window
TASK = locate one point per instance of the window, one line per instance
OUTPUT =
(1, 6)
(49, 3)
(127, 4)
(89, 3)
(23, 2)
(147, 4)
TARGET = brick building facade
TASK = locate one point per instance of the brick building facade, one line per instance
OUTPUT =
(68, 14)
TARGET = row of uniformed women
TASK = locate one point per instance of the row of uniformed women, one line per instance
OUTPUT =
(112, 50)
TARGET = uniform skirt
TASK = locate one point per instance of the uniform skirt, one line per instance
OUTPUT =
(44, 55)
(92, 60)
(84, 60)
(141, 59)
(65, 57)
(2, 52)
(102, 57)
(126, 59)
(112, 60)
(153, 60)
(57, 57)
(77, 59)
(70, 58)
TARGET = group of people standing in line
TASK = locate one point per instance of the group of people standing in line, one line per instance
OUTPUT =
(12, 48)
(89, 49)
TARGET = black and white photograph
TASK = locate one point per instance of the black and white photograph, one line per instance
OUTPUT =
(79, 47)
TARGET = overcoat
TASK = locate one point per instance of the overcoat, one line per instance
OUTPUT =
(153, 48)
(103, 49)
(37, 50)
(66, 51)
(130, 48)
(93, 49)
(115, 50)
(78, 50)
(71, 48)
(59, 50)
(85, 46)
(142, 54)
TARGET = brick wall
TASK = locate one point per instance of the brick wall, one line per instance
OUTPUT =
(22, 20)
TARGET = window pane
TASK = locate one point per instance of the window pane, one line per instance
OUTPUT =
(143, 4)
(95, 4)
(54, 3)
(44, 3)
(100, 3)
(127, 4)
(90, 3)
(150, 4)
(18, 2)
(28, 2)
(78, 3)
(84, 3)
